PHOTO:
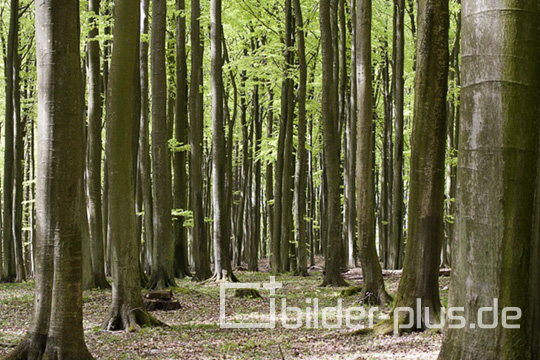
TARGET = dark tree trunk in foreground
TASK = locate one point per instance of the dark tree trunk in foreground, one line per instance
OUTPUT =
(127, 311)
(497, 246)
(395, 250)
(331, 145)
(373, 291)
(162, 270)
(9, 271)
(57, 331)
(201, 253)
(301, 157)
(222, 261)
(93, 155)
(420, 278)
(181, 264)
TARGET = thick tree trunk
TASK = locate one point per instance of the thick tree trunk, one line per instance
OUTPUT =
(373, 291)
(93, 155)
(301, 156)
(127, 311)
(420, 278)
(162, 270)
(181, 264)
(57, 331)
(201, 252)
(331, 145)
(497, 245)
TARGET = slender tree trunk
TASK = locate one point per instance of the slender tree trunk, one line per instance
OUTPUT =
(301, 157)
(11, 70)
(57, 331)
(269, 173)
(201, 252)
(144, 163)
(373, 291)
(126, 311)
(420, 280)
(162, 270)
(181, 263)
(331, 145)
(396, 234)
(222, 262)
(93, 155)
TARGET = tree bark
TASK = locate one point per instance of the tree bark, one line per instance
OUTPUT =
(162, 270)
(301, 156)
(331, 146)
(373, 290)
(93, 155)
(57, 331)
(196, 106)
(181, 263)
(420, 278)
(496, 254)
(222, 261)
(395, 255)
(126, 311)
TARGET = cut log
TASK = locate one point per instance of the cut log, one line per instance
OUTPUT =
(160, 300)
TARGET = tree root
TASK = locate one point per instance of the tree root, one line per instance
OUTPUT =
(130, 319)
(334, 283)
(374, 297)
(223, 277)
(160, 281)
(400, 326)
(38, 347)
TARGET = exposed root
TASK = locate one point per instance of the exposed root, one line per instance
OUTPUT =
(160, 281)
(376, 297)
(339, 282)
(404, 323)
(130, 319)
(223, 277)
(38, 347)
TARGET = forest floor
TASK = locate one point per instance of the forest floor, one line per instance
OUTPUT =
(194, 331)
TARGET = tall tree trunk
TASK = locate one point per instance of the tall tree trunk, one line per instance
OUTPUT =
(301, 157)
(269, 173)
(144, 162)
(11, 70)
(349, 206)
(93, 155)
(287, 114)
(396, 235)
(420, 280)
(181, 264)
(126, 311)
(496, 253)
(201, 252)
(222, 261)
(331, 145)
(162, 270)
(57, 331)
(373, 291)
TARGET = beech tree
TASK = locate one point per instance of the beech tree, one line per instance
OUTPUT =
(497, 249)
(420, 279)
(196, 116)
(57, 331)
(126, 310)
(331, 147)
(373, 290)
(162, 269)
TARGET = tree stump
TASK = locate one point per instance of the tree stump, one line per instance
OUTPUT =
(247, 294)
(161, 300)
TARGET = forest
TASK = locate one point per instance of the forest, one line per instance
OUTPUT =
(270, 179)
